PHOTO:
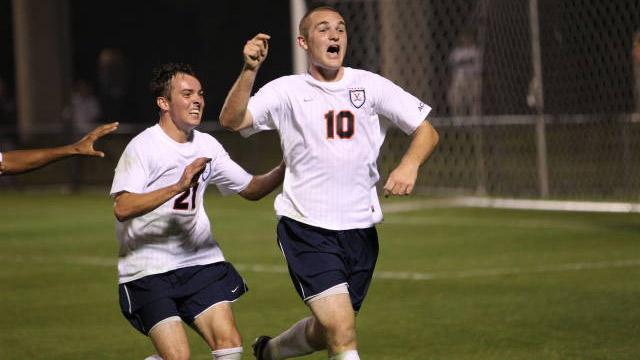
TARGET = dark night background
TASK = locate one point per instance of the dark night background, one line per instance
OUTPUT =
(6, 44)
(585, 49)
(209, 35)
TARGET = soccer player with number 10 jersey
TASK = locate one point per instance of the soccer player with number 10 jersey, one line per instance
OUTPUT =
(331, 134)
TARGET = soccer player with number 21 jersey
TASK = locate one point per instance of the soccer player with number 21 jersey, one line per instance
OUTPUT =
(170, 267)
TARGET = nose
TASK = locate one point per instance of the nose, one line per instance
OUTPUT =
(334, 35)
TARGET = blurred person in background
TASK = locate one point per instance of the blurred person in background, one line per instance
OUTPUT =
(330, 135)
(85, 106)
(113, 83)
(171, 269)
(465, 88)
(20, 161)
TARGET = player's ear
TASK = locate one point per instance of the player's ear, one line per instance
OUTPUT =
(302, 42)
(162, 103)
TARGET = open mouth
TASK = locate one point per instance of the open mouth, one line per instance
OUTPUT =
(333, 49)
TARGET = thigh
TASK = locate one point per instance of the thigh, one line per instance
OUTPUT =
(337, 322)
(332, 310)
(313, 255)
(217, 326)
(170, 339)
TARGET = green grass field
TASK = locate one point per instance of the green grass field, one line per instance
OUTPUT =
(454, 283)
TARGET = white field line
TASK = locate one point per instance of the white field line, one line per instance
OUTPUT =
(379, 274)
(519, 204)
(507, 271)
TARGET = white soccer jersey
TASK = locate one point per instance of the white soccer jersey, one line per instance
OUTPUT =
(330, 135)
(177, 234)
(0, 163)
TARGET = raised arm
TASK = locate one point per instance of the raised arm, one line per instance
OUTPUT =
(261, 185)
(403, 178)
(130, 205)
(20, 161)
(234, 115)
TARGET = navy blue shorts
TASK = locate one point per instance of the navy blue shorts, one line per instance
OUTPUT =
(319, 259)
(184, 292)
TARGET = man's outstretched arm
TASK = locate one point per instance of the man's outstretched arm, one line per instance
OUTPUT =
(20, 161)
(234, 115)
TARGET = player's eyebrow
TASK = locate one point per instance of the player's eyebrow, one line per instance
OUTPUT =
(189, 91)
(327, 23)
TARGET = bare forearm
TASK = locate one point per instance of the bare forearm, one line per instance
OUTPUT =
(424, 141)
(19, 161)
(403, 178)
(261, 185)
(234, 111)
(130, 205)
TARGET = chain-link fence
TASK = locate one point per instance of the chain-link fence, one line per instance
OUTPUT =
(532, 98)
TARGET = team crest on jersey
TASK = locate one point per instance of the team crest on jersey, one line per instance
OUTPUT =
(206, 172)
(357, 97)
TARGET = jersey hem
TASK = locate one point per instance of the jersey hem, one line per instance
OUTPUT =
(124, 280)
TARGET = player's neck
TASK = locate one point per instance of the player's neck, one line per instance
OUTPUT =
(173, 131)
(326, 75)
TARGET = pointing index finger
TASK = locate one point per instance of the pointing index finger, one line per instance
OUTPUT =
(262, 36)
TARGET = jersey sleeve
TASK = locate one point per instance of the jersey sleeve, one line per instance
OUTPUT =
(227, 175)
(266, 107)
(403, 109)
(0, 163)
(131, 171)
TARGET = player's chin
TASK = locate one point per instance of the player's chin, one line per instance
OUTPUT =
(333, 64)
(195, 119)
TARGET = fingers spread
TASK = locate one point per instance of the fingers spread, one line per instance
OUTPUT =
(103, 130)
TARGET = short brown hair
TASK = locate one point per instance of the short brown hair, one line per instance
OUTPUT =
(303, 26)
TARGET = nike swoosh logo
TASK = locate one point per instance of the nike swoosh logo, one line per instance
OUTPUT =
(307, 99)
(236, 289)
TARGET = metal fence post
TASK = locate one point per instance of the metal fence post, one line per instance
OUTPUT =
(541, 142)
